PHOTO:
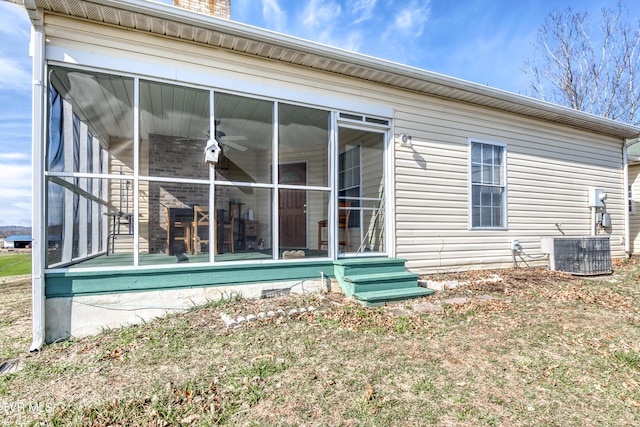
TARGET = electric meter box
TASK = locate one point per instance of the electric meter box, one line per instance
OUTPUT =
(597, 196)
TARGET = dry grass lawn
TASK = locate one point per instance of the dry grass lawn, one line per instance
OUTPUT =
(535, 348)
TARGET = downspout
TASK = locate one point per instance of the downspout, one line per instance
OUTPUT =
(625, 164)
(39, 243)
(625, 179)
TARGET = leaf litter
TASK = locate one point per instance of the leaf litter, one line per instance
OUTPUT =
(494, 350)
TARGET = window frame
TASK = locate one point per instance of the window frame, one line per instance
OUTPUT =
(503, 184)
(354, 217)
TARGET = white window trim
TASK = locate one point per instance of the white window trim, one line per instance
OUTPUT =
(505, 207)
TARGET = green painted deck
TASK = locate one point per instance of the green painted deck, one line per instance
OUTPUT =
(153, 273)
(370, 281)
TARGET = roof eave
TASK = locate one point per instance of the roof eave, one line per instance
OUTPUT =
(431, 83)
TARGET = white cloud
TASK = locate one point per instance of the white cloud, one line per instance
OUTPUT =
(15, 187)
(11, 195)
(14, 76)
(363, 9)
(13, 176)
(320, 14)
(411, 20)
(13, 117)
(352, 41)
(13, 156)
(15, 129)
(14, 20)
(16, 214)
(397, 31)
(273, 14)
(14, 60)
(328, 23)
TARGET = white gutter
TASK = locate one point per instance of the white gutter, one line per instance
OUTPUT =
(38, 224)
(625, 176)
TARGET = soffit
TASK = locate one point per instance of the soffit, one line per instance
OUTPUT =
(175, 22)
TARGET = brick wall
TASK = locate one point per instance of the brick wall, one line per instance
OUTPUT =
(218, 8)
(171, 157)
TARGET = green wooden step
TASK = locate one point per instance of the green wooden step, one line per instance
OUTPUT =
(374, 278)
(382, 281)
(377, 298)
(357, 266)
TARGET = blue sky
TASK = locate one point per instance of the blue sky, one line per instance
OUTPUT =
(480, 41)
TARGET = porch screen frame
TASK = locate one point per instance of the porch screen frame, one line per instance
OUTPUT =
(359, 122)
(382, 126)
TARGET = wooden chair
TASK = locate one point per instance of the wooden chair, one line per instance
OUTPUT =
(228, 238)
(200, 221)
(343, 224)
(173, 234)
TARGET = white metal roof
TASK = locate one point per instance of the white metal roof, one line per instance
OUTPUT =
(167, 20)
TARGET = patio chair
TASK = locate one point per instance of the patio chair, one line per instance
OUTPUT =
(200, 222)
(343, 224)
(228, 228)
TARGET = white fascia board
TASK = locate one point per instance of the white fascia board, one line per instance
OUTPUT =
(101, 61)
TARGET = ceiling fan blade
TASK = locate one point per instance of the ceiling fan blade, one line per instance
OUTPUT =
(233, 138)
(228, 141)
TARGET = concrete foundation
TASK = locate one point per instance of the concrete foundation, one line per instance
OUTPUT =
(80, 316)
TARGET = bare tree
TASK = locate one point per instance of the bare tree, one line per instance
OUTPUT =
(589, 67)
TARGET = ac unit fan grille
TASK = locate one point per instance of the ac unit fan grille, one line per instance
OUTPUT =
(582, 255)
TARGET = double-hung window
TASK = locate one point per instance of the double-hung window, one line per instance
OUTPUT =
(488, 205)
(349, 182)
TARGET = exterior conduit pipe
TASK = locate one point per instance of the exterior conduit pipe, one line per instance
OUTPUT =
(625, 176)
(39, 243)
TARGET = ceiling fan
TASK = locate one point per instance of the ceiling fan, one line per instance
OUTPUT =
(230, 141)
(226, 141)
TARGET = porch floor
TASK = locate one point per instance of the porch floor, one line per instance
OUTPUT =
(126, 259)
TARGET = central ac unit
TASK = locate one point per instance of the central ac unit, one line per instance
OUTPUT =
(584, 256)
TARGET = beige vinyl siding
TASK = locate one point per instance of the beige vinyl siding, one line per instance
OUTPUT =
(549, 170)
(549, 166)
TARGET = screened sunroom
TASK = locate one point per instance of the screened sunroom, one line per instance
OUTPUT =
(127, 183)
